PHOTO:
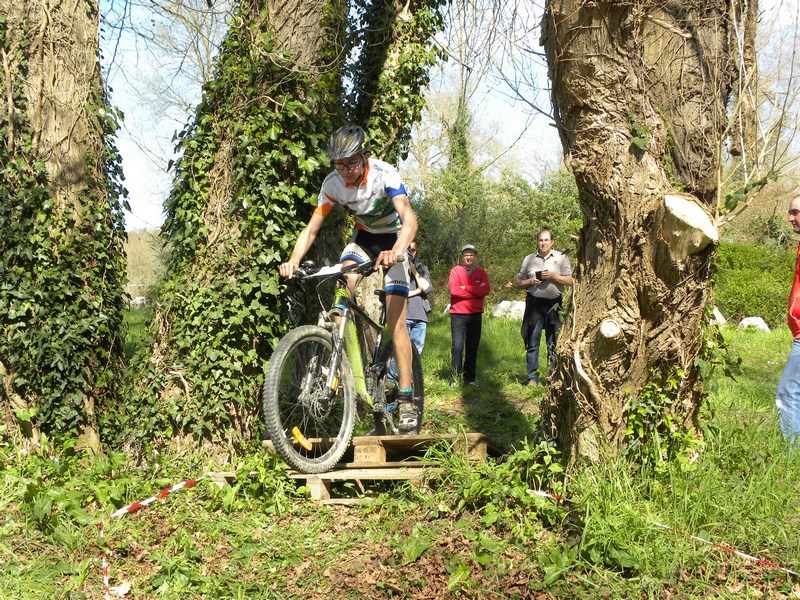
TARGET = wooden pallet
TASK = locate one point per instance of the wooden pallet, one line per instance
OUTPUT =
(393, 458)
(372, 450)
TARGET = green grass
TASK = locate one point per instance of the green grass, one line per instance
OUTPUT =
(472, 532)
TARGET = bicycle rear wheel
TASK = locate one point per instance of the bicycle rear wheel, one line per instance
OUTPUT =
(309, 428)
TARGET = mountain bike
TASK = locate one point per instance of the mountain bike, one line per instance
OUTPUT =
(320, 376)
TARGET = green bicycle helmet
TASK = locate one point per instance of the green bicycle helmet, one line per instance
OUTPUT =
(347, 141)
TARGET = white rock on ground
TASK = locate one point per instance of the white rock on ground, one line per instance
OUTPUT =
(509, 309)
(754, 322)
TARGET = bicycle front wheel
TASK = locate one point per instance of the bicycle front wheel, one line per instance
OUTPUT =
(309, 425)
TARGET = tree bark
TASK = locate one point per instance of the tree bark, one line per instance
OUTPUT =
(53, 89)
(231, 219)
(640, 92)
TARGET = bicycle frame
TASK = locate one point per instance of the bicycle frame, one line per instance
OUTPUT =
(344, 310)
(341, 322)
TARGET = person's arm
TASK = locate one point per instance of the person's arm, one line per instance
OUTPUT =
(483, 288)
(522, 281)
(302, 245)
(458, 284)
(408, 231)
(426, 275)
(524, 284)
(564, 277)
(423, 283)
(476, 290)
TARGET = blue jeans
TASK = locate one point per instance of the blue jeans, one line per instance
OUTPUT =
(551, 324)
(416, 331)
(787, 398)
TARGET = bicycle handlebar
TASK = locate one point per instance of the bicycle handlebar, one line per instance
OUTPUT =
(365, 268)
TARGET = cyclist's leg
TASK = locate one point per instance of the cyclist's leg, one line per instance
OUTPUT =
(396, 285)
(396, 323)
(395, 282)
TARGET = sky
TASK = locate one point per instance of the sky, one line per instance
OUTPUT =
(145, 139)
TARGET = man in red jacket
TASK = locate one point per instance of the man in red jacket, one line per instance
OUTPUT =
(469, 285)
(787, 397)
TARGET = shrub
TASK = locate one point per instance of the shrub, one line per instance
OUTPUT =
(754, 281)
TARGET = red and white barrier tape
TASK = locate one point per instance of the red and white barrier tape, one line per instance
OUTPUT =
(551, 496)
(27, 449)
(739, 553)
(132, 508)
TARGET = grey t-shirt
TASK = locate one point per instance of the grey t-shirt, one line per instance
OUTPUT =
(556, 262)
(418, 306)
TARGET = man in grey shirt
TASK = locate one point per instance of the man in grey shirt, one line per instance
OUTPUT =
(544, 274)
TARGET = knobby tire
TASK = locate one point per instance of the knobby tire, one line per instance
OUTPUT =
(419, 386)
(294, 396)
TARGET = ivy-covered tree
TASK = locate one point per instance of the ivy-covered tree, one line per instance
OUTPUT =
(61, 249)
(246, 183)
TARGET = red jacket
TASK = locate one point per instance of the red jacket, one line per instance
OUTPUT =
(468, 300)
(794, 299)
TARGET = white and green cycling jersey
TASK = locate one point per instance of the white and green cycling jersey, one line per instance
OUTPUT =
(370, 199)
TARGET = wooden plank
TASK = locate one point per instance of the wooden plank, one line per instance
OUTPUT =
(369, 473)
(389, 463)
(390, 449)
(320, 484)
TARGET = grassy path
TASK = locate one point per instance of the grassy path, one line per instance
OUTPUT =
(473, 532)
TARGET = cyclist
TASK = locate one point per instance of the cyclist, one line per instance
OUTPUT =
(385, 226)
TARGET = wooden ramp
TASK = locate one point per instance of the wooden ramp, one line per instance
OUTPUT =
(393, 458)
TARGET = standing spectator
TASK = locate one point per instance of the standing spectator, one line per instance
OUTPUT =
(469, 285)
(544, 274)
(418, 306)
(787, 398)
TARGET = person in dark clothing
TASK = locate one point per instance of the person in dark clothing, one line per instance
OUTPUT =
(418, 306)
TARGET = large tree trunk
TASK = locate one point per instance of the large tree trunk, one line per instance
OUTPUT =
(246, 179)
(640, 92)
(64, 231)
(389, 77)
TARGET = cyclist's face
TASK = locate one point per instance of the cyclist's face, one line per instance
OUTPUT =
(350, 169)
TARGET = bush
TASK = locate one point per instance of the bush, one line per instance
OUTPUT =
(502, 220)
(754, 281)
